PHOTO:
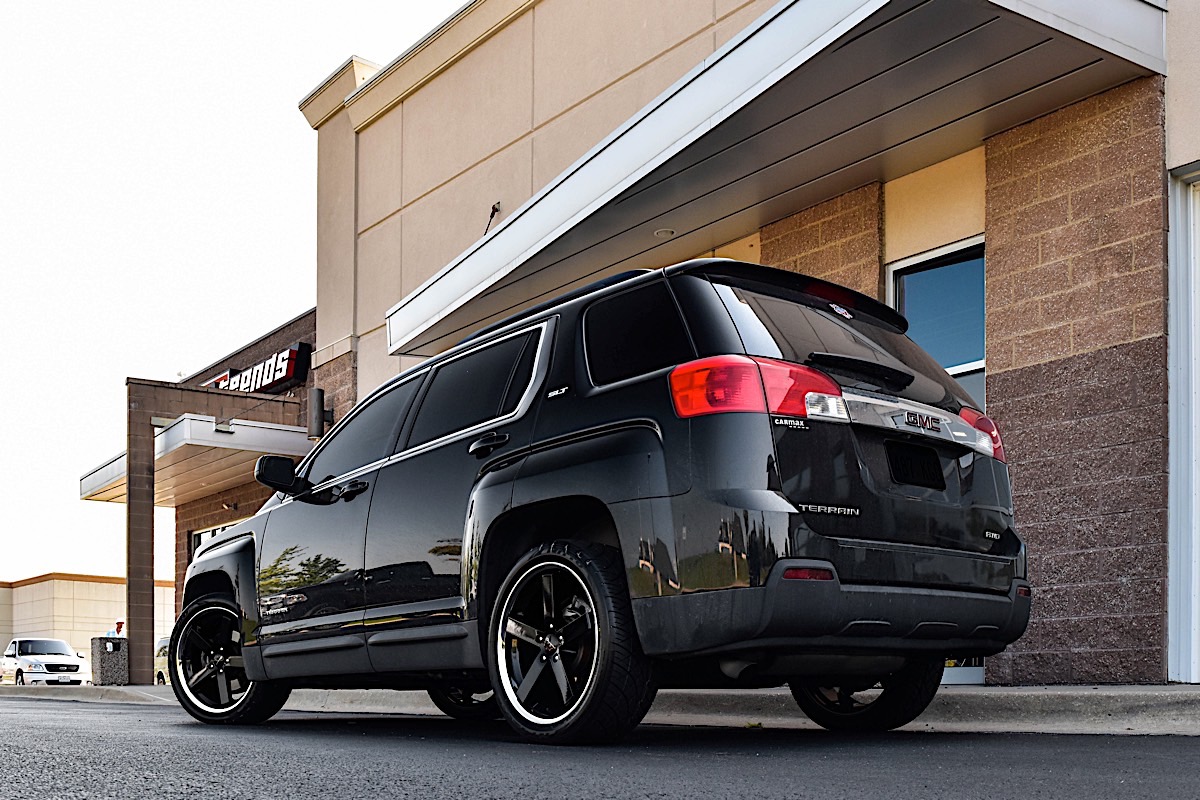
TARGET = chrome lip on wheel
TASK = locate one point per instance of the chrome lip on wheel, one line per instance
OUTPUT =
(208, 660)
(548, 645)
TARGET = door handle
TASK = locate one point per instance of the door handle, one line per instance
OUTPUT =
(351, 490)
(482, 447)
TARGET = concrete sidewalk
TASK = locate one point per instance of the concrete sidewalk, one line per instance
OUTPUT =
(1128, 710)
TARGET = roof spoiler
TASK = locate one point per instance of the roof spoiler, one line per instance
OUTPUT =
(849, 300)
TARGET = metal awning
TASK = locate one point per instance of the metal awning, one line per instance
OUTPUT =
(814, 99)
(195, 458)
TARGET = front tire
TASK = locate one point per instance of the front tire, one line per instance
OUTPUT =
(887, 704)
(563, 654)
(208, 673)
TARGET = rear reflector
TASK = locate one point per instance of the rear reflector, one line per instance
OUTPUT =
(990, 437)
(723, 384)
(1024, 591)
(807, 574)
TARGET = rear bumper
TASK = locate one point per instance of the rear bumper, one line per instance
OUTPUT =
(812, 616)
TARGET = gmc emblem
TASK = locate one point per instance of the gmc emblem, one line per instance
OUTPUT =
(924, 421)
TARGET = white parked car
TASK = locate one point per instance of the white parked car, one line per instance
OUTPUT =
(43, 661)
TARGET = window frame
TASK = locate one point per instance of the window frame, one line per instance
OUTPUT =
(913, 264)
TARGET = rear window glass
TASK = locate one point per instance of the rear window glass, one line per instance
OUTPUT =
(777, 322)
(633, 333)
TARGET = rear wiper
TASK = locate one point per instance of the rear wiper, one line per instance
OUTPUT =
(881, 374)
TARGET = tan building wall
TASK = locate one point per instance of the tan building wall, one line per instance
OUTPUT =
(1183, 84)
(6, 617)
(490, 90)
(935, 206)
(75, 608)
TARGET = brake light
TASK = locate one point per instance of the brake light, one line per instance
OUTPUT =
(716, 385)
(807, 574)
(740, 383)
(990, 434)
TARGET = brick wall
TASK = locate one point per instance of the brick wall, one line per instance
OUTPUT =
(1076, 356)
(339, 378)
(840, 240)
(209, 512)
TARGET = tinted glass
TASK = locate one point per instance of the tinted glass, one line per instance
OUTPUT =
(468, 390)
(520, 377)
(634, 333)
(943, 301)
(779, 322)
(368, 436)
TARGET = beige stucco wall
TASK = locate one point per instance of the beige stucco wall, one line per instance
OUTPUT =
(75, 610)
(6, 620)
(934, 206)
(1183, 83)
(483, 112)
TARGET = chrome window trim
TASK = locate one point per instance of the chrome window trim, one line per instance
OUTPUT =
(540, 369)
(879, 411)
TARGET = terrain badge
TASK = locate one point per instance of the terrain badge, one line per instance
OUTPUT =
(841, 311)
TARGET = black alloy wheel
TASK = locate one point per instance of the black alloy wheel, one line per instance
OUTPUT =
(465, 704)
(563, 653)
(208, 672)
(883, 705)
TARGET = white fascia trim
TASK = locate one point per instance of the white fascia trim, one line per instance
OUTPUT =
(200, 430)
(771, 48)
(1183, 404)
(1141, 26)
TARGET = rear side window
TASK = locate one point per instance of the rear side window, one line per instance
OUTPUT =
(472, 389)
(633, 333)
(367, 436)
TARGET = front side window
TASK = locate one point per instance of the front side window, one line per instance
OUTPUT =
(472, 389)
(367, 436)
(943, 300)
(634, 333)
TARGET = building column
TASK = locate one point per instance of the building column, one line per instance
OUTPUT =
(139, 538)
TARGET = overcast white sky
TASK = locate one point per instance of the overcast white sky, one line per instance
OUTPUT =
(157, 211)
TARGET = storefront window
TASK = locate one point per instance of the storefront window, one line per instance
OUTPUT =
(942, 297)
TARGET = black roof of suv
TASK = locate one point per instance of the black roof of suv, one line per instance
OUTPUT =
(714, 474)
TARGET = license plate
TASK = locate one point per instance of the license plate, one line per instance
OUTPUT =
(64, 679)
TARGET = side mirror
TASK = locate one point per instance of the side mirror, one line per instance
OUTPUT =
(279, 473)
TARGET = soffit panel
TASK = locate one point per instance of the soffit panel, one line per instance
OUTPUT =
(913, 84)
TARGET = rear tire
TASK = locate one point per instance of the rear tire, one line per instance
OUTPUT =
(563, 654)
(464, 704)
(208, 674)
(884, 705)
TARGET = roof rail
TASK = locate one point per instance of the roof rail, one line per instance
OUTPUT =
(595, 286)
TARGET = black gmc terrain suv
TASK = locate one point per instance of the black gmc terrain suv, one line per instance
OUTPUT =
(711, 475)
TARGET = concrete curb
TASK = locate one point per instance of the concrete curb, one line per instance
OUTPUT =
(1165, 709)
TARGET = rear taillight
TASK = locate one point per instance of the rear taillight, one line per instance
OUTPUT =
(989, 433)
(739, 383)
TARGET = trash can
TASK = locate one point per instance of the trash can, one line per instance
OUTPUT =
(110, 661)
